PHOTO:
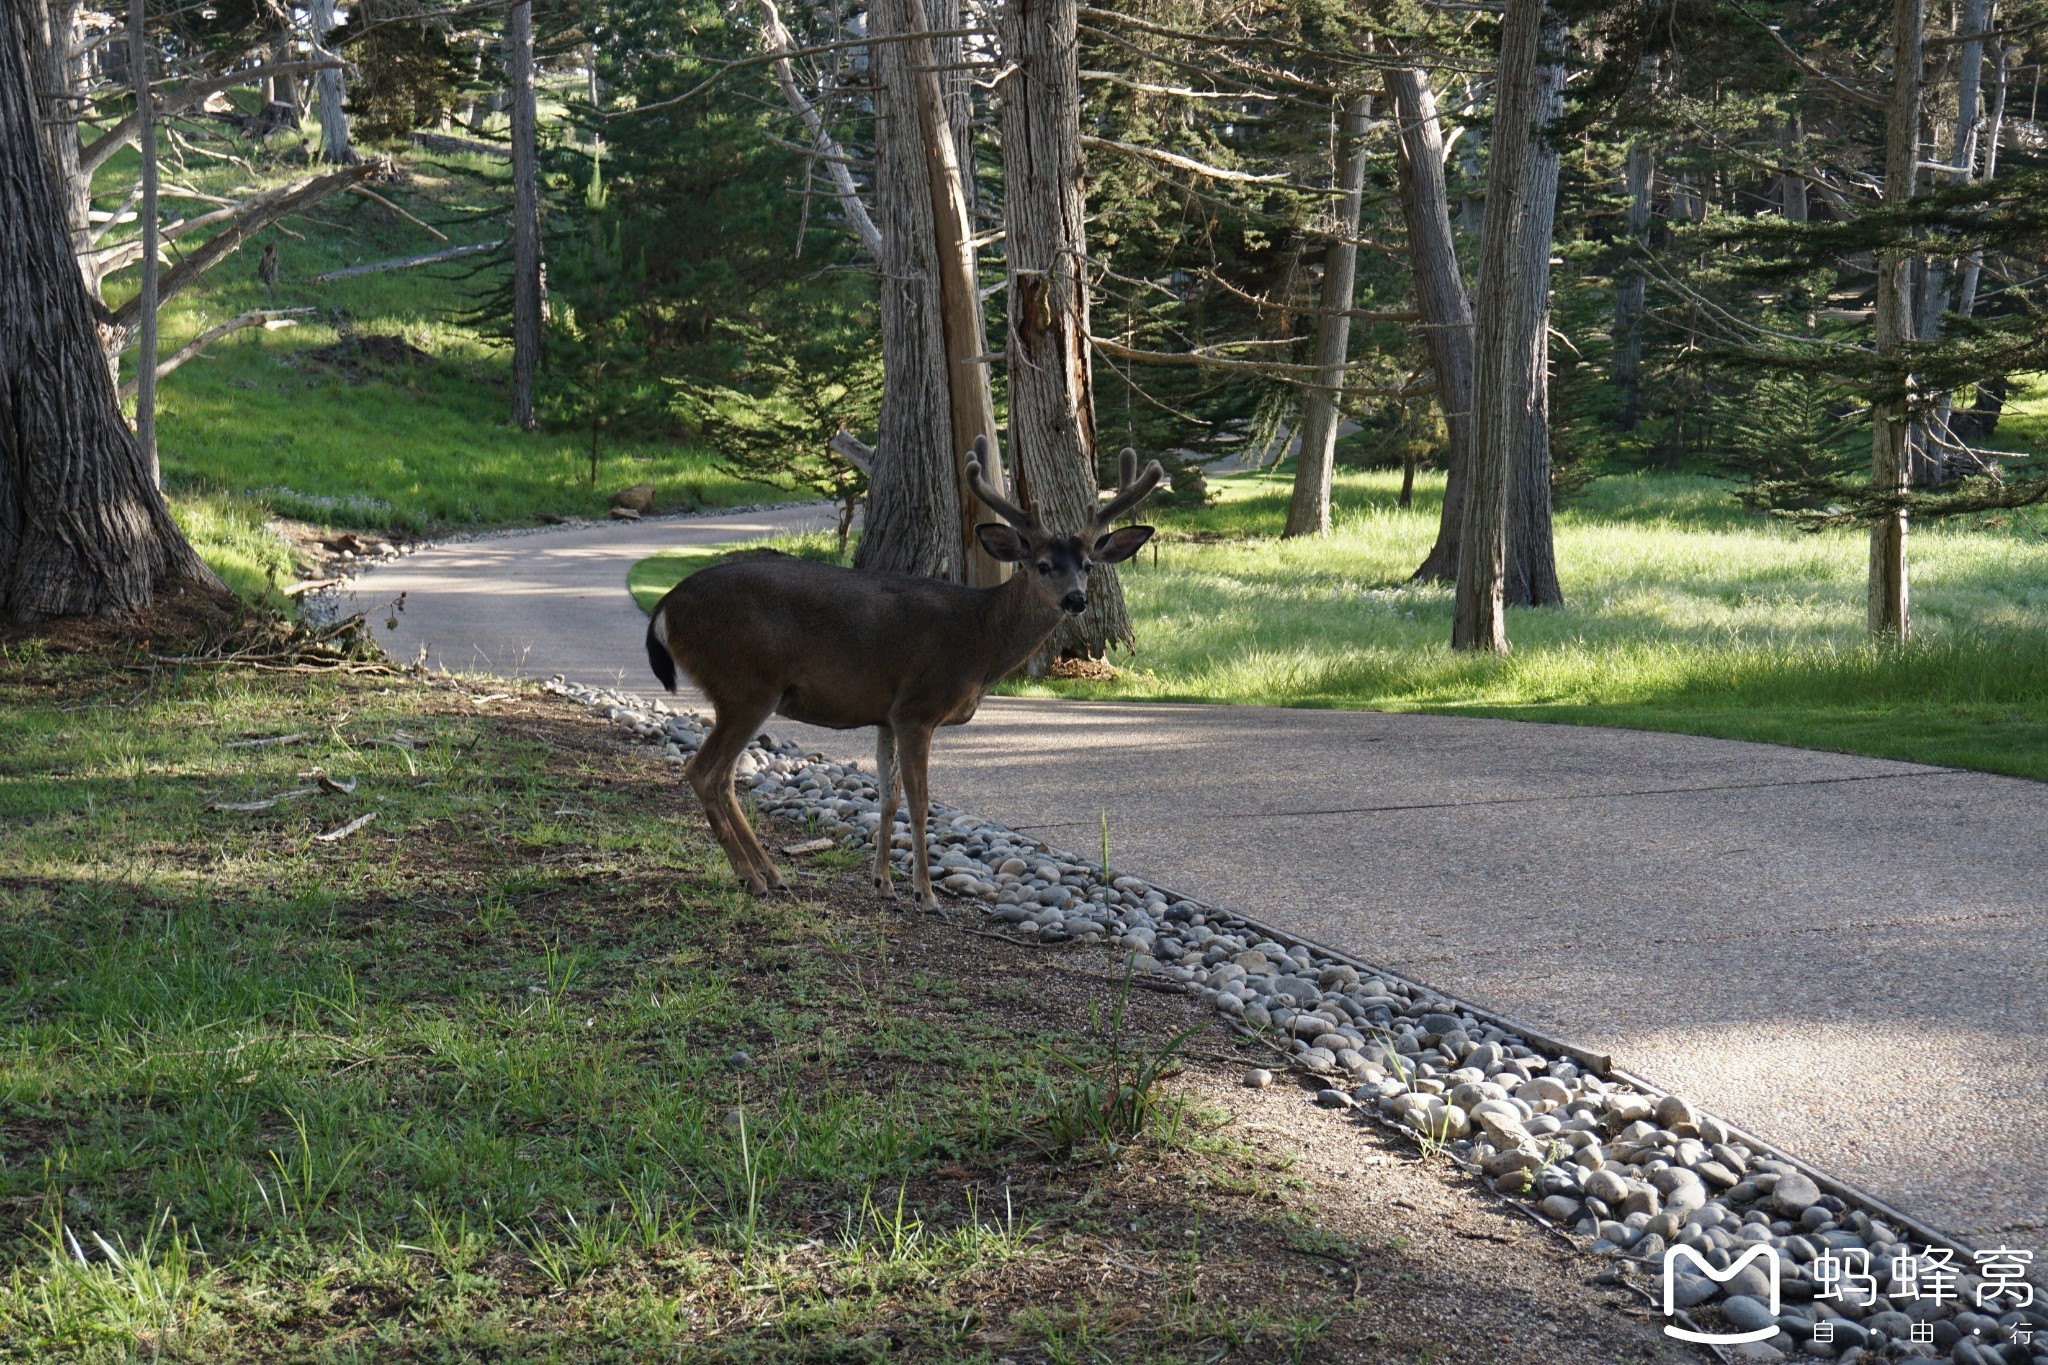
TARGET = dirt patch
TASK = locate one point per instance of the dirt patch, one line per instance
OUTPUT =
(1084, 670)
(362, 357)
(185, 618)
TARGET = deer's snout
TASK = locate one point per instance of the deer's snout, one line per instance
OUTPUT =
(1074, 603)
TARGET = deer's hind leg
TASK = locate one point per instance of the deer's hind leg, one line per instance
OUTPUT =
(913, 754)
(888, 789)
(709, 773)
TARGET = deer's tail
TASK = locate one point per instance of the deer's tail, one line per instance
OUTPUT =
(658, 658)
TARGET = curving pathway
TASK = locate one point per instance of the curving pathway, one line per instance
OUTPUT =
(1848, 956)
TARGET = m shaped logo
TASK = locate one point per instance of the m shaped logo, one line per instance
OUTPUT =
(1761, 1250)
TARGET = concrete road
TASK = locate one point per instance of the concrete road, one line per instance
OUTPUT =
(1848, 956)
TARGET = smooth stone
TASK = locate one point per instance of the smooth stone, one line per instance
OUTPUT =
(1258, 1078)
(1690, 1291)
(1559, 1208)
(1333, 1099)
(1794, 1194)
(1607, 1187)
(1747, 1314)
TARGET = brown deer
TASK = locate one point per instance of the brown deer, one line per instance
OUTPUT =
(844, 648)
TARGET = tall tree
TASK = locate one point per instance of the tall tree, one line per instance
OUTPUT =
(1638, 176)
(146, 295)
(83, 530)
(1892, 424)
(914, 508)
(1052, 397)
(1440, 298)
(329, 85)
(1308, 513)
(526, 299)
(1505, 513)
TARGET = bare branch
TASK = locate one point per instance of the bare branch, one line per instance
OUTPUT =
(248, 220)
(453, 253)
(268, 319)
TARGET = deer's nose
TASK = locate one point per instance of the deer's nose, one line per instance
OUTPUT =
(1074, 603)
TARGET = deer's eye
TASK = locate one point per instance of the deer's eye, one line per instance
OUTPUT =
(1045, 569)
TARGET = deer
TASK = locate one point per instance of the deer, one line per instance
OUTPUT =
(847, 648)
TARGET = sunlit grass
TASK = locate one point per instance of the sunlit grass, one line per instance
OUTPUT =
(408, 445)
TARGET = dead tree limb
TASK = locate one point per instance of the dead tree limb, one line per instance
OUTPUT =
(269, 319)
(453, 253)
(250, 219)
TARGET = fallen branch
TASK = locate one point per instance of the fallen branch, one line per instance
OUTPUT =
(266, 318)
(263, 743)
(264, 804)
(248, 220)
(334, 835)
(369, 193)
(453, 253)
(441, 142)
(309, 585)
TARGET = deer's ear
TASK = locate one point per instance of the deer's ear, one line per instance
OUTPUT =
(1003, 543)
(1121, 544)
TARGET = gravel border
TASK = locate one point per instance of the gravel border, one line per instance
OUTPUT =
(1620, 1167)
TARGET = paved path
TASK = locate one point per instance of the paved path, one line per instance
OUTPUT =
(1848, 956)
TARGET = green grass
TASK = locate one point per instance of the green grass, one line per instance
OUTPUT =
(1684, 612)
(467, 1084)
(411, 445)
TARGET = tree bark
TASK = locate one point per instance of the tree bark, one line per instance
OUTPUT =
(331, 88)
(971, 405)
(1308, 513)
(146, 296)
(1931, 462)
(1439, 297)
(1052, 397)
(1892, 435)
(914, 513)
(525, 214)
(1639, 174)
(83, 531)
(1791, 188)
(1511, 349)
(54, 75)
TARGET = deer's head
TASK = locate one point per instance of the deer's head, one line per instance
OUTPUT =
(1057, 565)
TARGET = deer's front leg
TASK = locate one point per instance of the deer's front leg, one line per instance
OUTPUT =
(888, 791)
(913, 752)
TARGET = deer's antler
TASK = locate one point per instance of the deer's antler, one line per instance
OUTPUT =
(1130, 490)
(977, 459)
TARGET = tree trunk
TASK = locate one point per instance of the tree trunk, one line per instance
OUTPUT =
(525, 215)
(1510, 353)
(1052, 395)
(83, 530)
(970, 403)
(1792, 188)
(54, 75)
(1439, 297)
(146, 295)
(284, 86)
(331, 89)
(1892, 436)
(914, 513)
(1638, 176)
(1932, 465)
(1308, 514)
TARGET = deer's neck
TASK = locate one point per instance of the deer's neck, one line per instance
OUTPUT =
(1018, 622)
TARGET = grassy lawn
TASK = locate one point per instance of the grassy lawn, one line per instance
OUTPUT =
(1684, 613)
(384, 407)
(514, 1073)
